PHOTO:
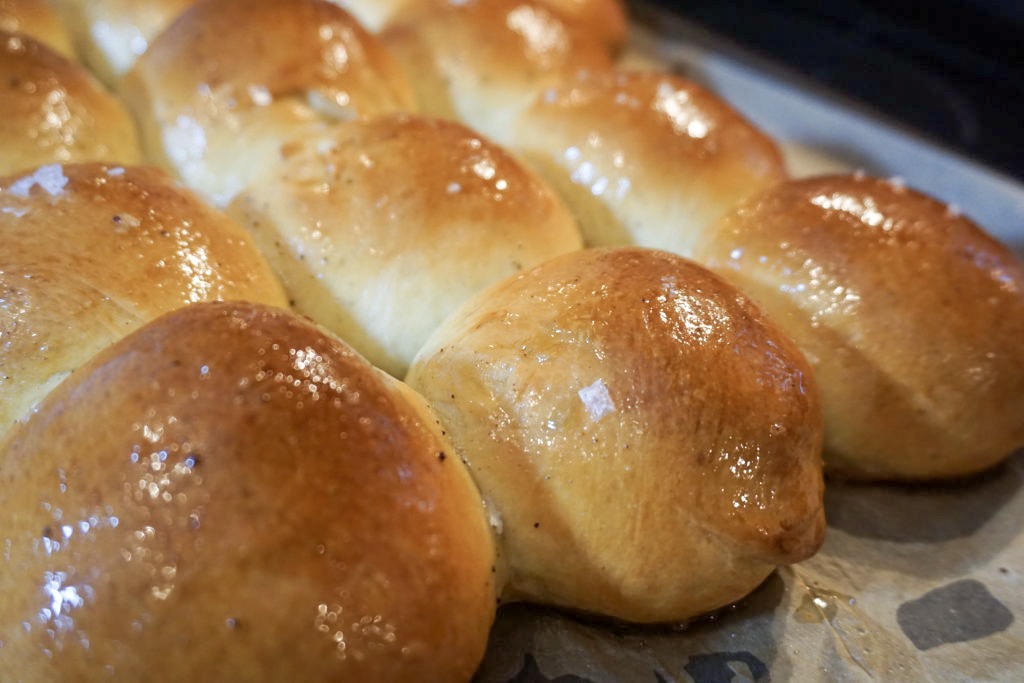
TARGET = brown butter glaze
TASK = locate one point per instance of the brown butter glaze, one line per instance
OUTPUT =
(645, 158)
(482, 61)
(383, 232)
(53, 110)
(227, 47)
(649, 439)
(230, 81)
(36, 19)
(229, 493)
(90, 252)
(605, 19)
(911, 315)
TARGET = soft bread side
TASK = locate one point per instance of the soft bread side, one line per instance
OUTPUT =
(648, 440)
(91, 252)
(229, 82)
(645, 158)
(382, 229)
(910, 314)
(481, 62)
(109, 35)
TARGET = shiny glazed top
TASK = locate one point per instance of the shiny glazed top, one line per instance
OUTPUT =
(912, 316)
(482, 61)
(38, 20)
(231, 494)
(650, 440)
(238, 54)
(89, 252)
(231, 81)
(645, 158)
(604, 18)
(53, 110)
(383, 232)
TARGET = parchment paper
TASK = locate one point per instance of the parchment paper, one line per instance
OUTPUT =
(914, 583)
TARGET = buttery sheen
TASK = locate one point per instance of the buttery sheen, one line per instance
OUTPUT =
(645, 158)
(90, 252)
(384, 228)
(650, 441)
(232, 494)
(910, 314)
(53, 110)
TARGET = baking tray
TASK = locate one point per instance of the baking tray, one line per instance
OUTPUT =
(913, 583)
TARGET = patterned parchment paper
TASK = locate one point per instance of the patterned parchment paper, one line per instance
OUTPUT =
(913, 584)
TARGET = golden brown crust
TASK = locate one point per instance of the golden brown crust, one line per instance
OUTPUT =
(230, 81)
(383, 229)
(650, 441)
(39, 20)
(645, 158)
(911, 315)
(231, 494)
(606, 19)
(53, 110)
(229, 47)
(91, 252)
(482, 61)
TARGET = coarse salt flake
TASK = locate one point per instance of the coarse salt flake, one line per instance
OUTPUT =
(50, 177)
(597, 400)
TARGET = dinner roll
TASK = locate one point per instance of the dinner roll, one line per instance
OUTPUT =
(382, 232)
(109, 35)
(606, 19)
(649, 441)
(231, 494)
(482, 61)
(230, 81)
(38, 19)
(54, 110)
(374, 14)
(912, 317)
(645, 158)
(90, 252)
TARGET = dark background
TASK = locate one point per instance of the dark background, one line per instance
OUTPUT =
(952, 71)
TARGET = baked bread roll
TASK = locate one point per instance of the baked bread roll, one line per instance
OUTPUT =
(383, 232)
(225, 85)
(38, 19)
(54, 110)
(109, 35)
(90, 252)
(911, 316)
(374, 14)
(648, 439)
(481, 62)
(645, 158)
(606, 19)
(256, 502)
